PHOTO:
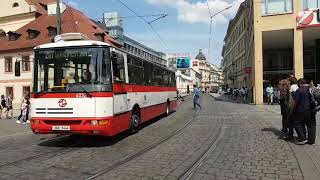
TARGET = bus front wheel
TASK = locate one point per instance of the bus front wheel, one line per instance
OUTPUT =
(134, 123)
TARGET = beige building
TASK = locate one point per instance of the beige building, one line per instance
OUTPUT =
(17, 13)
(210, 74)
(269, 40)
(18, 41)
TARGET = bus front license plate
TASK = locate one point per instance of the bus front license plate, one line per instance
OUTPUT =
(61, 128)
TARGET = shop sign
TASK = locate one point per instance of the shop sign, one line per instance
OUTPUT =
(308, 18)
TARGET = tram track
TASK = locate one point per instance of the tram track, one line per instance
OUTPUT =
(55, 153)
(187, 174)
(49, 155)
(191, 169)
(144, 150)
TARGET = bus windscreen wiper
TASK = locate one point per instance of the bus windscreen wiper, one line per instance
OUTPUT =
(87, 93)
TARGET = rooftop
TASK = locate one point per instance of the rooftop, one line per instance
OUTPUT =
(72, 21)
(200, 56)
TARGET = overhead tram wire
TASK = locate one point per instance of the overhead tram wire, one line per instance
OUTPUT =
(210, 29)
(211, 20)
(149, 23)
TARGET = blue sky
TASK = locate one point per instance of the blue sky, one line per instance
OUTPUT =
(184, 30)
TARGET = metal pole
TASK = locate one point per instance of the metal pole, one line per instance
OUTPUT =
(58, 18)
(211, 19)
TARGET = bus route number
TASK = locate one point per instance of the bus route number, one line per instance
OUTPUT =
(81, 95)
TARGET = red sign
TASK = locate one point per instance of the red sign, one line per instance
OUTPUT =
(308, 18)
(247, 70)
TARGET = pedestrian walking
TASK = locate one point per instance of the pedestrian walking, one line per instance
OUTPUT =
(196, 96)
(24, 110)
(3, 106)
(9, 106)
(301, 110)
(270, 91)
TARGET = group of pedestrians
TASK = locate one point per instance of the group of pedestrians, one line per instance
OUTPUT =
(6, 107)
(299, 105)
(238, 95)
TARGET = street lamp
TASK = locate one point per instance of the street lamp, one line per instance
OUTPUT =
(211, 18)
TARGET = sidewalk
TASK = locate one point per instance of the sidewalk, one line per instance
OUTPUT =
(9, 128)
(308, 156)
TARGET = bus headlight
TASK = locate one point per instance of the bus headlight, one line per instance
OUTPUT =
(35, 122)
(103, 122)
(94, 122)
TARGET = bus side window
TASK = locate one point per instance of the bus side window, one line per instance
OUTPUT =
(118, 68)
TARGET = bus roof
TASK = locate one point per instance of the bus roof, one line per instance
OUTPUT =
(74, 43)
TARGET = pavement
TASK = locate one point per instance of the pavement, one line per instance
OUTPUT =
(222, 140)
(308, 156)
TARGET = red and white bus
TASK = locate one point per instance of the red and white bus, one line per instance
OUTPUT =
(89, 87)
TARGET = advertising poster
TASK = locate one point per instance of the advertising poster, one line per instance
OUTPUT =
(183, 62)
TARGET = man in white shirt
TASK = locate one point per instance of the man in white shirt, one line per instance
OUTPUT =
(270, 92)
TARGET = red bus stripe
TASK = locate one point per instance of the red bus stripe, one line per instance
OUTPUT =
(71, 95)
(117, 88)
(122, 88)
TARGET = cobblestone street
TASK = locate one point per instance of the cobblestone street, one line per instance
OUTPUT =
(222, 140)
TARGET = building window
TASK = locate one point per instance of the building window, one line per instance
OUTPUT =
(26, 91)
(52, 31)
(276, 6)
(15, 5)
(311, 4)
(13, 36)
(8, 64)
(25, 63)
(9, 91)
(100, 37)
(32, 33)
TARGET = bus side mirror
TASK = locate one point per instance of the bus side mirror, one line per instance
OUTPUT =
(17, 68)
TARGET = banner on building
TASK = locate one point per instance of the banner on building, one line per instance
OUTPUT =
(183, 62)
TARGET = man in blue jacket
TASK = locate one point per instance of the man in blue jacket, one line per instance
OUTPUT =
(196, 96)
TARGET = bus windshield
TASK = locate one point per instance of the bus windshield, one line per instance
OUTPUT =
(72, 70)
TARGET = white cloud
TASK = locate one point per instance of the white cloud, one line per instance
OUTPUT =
(198, 12)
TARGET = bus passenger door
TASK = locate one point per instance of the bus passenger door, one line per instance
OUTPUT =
(120, 98)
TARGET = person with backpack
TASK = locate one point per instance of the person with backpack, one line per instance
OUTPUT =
(196, 96)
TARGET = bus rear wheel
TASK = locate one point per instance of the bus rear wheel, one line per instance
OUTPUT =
(134, 123)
